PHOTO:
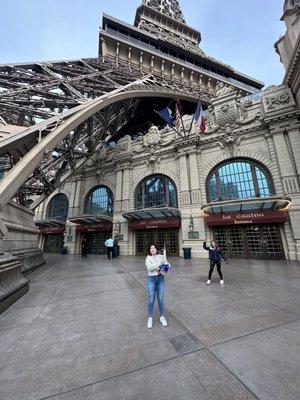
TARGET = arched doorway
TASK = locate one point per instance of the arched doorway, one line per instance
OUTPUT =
(157, 194)
(99, 202)
(245, 222)
(57, 212)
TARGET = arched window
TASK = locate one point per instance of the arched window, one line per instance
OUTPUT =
(239, 179)
(100, 201)
(156, 191)
(58, 207)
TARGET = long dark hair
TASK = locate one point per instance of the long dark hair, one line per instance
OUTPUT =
(153, 245)
(217, 247)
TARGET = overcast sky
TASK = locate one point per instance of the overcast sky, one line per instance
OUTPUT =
(239, 32)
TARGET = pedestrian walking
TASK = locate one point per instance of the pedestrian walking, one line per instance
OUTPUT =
(215, 256)
(109, 244)
(155, 286)
(84, 248)
(116, 247)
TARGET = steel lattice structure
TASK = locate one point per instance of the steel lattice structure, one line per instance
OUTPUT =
(43, 97)
(171, 8)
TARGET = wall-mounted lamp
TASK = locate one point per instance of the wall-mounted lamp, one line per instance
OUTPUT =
(117, 228)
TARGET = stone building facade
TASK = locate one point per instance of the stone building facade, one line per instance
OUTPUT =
(238, 183)
(263, 131)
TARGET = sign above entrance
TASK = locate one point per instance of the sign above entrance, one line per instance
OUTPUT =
(104, 227)
(253, 217)
(155, 223)
(52, 231)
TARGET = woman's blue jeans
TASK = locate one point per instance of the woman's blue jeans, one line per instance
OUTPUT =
(156, 287)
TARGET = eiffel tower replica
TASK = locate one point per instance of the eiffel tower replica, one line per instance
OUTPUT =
(161, 42)
(36, 98)
(55, 116)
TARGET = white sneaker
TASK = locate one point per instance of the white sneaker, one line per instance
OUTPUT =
(150, 323)
(208, 282)
(163, 321)
(221, 282)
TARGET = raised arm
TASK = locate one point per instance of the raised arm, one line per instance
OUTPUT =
(205, 247)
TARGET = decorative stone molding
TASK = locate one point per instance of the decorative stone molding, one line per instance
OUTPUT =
(12, 283)
(277, 99)
(124, 145)
(152, 137)
(290, 184)
(223, 90)
(228, 113)
(230, 144)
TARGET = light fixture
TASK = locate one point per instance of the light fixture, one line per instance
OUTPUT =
(117, 228)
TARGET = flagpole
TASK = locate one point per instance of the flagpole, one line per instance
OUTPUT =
(172, 127)
(180, 110)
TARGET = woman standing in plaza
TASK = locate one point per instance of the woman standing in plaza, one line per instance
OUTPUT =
(155, 286)
(215, 255)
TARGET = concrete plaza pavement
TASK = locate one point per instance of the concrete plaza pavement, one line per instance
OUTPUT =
(80, 333)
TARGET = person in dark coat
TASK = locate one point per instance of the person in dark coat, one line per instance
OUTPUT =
(84, 248)
(215, 255)
(116, 247)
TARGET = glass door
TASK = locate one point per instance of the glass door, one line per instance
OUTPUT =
(158, 237)
(250, 241)
(53, 243)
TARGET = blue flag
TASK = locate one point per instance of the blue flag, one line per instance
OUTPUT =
(166, 115)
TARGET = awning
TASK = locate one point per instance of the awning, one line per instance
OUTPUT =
(90, 219)
(243, 205)
(247, 218)
(50, 223)
(161, 223)
(52, 231)
(103, 227)
(152, 214)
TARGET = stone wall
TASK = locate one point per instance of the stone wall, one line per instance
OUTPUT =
(19, 252)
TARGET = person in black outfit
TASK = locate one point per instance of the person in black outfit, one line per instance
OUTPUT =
(84, 248)
(215, 255)
(116, 248)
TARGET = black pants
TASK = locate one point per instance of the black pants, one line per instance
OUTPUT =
(84, 252)
(212, 266)
(110, 252)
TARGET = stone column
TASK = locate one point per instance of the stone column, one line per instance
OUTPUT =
(287, 170)
(294, 136)
(184, 181)
(118, 194)
(125, 189)
(195, 210)
(71, 227)
(287, 149)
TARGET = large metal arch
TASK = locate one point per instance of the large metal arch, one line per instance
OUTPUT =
(143, 88)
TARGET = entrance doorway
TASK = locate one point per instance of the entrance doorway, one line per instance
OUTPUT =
(158, 237)
(250, 241)
(96, 242)
(54, 243)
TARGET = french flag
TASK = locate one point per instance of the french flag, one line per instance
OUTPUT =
(199, 118)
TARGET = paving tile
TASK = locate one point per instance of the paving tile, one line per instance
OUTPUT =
(217, 380)
(167, 381)
(266, 362)
(82, 329)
